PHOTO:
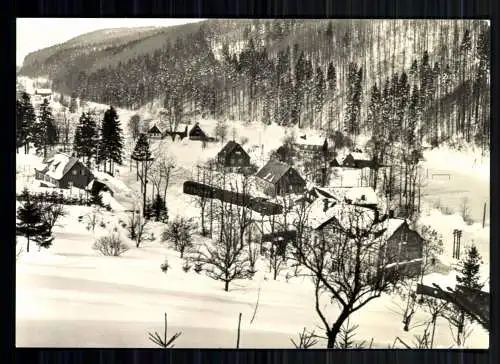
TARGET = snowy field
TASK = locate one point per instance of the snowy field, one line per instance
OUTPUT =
(71, 296)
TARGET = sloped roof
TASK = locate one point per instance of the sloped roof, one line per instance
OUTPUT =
(344, 214)
(154, 130)
(229, 147)
(392, 225)
(361, 156)
(196, 128)
(273, 171)
(310, 140)
(355, 194)
(43, 91)
(57, 166)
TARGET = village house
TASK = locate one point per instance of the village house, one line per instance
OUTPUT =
(154, 132)
(233, 156)
(63, 171)
(196, 133)
(311, 144)
(277, 178)
(41, 94)
(397, 246)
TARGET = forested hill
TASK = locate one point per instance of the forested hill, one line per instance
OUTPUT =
(430, 77)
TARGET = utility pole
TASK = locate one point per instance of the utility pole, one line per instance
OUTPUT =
(484, 214)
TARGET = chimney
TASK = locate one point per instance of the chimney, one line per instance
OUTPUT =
(325, 205)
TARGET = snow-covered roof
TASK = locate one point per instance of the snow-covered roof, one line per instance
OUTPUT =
(344, 214)
(392, 225)
(305, 139)
(43, 91)
(361, 156)
(57, 166)
(273, 171)
(361, 195)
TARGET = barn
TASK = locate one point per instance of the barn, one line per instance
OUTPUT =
(63, 171)
(233, 156)
(277, 178)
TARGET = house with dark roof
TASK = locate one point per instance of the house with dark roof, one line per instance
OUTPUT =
(154, 132)
(63, 171)
(277, 178)
(196, 133)
(233, 156)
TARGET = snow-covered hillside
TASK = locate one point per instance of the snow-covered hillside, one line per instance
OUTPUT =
(85, 299)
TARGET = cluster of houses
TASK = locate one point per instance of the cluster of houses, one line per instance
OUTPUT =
(195, 133)
(329, 207)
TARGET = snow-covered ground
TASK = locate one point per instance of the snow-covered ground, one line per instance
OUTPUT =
(70, 295)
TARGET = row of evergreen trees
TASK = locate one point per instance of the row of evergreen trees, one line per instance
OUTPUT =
(104, 144)
(32, 129)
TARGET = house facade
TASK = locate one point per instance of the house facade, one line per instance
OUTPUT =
(277, 178)
(196, 133)
(154, 132)
(233, 156)
(63, 171)
(391, 246)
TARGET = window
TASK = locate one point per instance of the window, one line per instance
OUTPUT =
(83, 172)
(75, 172)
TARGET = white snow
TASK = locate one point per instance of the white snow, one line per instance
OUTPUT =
(84, 299)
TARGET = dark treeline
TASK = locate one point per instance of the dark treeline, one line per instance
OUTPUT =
(380, 77)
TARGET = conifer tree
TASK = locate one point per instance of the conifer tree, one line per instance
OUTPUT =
(142, 155)
(111, 142)
(27, 119)
(469, 268)
(44, 132)
(32, 226)
(158, 209)
(85, 143)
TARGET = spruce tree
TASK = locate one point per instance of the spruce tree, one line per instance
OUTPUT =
(86, 137)
(469, 269)
(111, 142)
(142, 155)
(158, 209)
(44, 131)
(27, 116)
(31, 224)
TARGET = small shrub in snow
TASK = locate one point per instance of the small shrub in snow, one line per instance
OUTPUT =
(198, 267)
(164, 266)
(108, 208)
(110, 245)
(123, 225)
(186, 267)
(102, 224)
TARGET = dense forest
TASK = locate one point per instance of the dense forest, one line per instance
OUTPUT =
(400, 81)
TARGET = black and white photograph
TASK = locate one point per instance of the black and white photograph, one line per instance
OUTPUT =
(252, 183)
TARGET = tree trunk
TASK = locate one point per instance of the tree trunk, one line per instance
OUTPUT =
(28, 245)
(226, 285)
(335, 329)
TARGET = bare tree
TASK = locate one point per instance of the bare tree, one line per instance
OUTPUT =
(180, 233)
(134, 126)
(160, 173)
(347, 263)
(221, 130)
(432, 247)
(51, 213)
(93, 218)
(136, 225)
(226, 259)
